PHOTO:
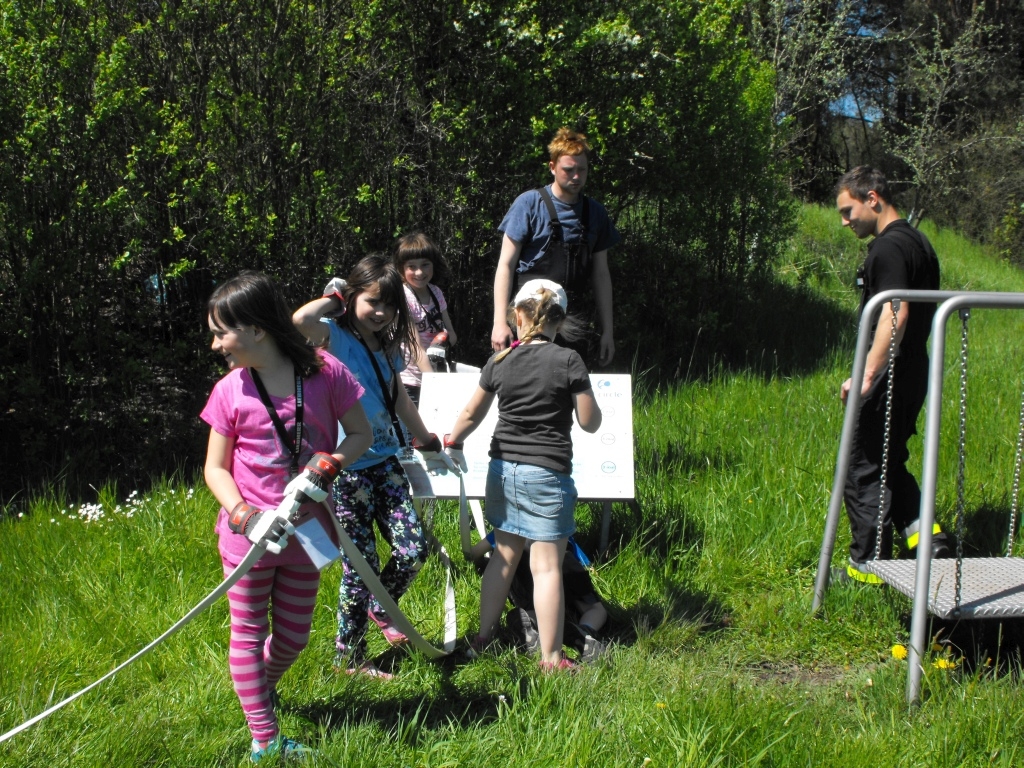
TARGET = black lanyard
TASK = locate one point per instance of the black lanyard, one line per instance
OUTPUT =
(389, 398)
(432, 319)
(292, 448)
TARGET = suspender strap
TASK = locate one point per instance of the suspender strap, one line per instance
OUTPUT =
(292, 448)
(385, 390)
(556, 225)
(577, 260)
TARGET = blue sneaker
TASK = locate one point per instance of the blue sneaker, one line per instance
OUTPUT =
(280, 746)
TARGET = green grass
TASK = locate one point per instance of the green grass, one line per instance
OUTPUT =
(719, 661)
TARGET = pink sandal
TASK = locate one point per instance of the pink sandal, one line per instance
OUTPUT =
(392, 634)
(565, 664)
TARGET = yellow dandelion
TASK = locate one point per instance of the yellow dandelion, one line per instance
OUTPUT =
(945, 663)
(899, 652)
(661, 705)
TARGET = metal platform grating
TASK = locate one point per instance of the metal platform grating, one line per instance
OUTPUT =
(990, 587)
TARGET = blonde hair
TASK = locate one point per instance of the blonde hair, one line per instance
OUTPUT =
(545, 311)
(568, 142)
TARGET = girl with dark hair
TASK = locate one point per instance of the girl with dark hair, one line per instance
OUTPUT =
(420, 263)
(279, 405)
(369, 338)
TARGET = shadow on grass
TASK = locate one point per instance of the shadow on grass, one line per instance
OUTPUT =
(987, 531)
(992, 646)
(690, 612)
(662, 532)
(676, 459)
(627, 515)
(766, 328)
(447, 707)
(786, 330)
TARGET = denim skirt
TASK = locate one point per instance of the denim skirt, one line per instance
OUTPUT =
(534, 502)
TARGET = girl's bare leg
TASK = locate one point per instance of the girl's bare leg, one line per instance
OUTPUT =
(497, 579)
(548, 599)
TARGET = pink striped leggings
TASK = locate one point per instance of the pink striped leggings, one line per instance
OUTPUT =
(257, 658)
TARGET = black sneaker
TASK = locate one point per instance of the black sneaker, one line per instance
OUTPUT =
(593, 649)
(940, 547)
(521, 630)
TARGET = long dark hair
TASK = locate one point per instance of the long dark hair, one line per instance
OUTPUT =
(252, 298)
(378, 269)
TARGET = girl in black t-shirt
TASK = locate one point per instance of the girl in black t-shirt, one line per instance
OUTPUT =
(530, 494)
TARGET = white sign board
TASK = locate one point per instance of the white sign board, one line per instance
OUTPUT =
(602, 463)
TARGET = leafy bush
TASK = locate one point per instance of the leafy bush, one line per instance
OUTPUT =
(148, 150)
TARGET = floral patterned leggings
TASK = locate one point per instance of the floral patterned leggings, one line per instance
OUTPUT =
(361, 496)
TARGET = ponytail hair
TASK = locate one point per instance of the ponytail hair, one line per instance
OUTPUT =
(252, 298)
(540, 312)
(378, 269)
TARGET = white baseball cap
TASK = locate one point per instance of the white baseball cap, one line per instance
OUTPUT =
(532, 288)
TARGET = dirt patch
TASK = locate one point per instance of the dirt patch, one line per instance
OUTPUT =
(791, 673)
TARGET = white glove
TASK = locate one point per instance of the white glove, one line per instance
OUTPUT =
(434, 458)
(458, 458)
(271, 529)
(335, 289)
(315, 480)
(439, 463)
(456, 454)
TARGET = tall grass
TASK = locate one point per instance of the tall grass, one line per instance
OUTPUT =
(718, 661)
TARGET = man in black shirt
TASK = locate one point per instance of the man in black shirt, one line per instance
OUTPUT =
(899, 256)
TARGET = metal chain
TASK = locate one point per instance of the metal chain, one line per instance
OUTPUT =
(965, 314)
(888, 430)
(1016, 481)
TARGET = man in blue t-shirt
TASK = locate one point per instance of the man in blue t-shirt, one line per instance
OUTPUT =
(573, 253)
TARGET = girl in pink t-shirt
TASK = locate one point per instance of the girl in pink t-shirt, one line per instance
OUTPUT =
(420, 261)
(277, 409)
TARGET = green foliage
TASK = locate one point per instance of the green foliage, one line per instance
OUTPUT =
(811, 51)
(150, 150)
